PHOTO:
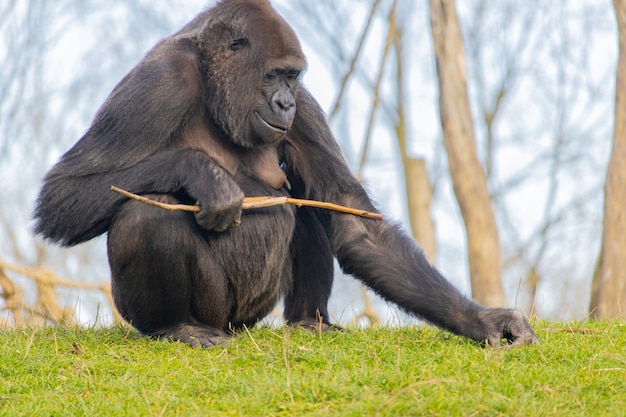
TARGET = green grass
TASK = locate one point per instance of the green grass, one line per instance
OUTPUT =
(579, 369)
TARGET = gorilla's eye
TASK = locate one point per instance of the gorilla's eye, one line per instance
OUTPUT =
(237, 44)
(292, 75)
(271, 76)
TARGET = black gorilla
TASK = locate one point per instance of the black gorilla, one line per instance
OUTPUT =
(214, 113)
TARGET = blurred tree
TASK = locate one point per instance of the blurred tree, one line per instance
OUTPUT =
(468, 177)
(539, 85)
(59, 61)
(417, 183)
(31, 128)
(608, 298)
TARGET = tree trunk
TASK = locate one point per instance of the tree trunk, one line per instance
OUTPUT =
(419, 194)
(608, 299)
(468, 178)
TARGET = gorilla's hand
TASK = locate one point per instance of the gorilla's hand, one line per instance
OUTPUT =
(501, 323)
(221, 210)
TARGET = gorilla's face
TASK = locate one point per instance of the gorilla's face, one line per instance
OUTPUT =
(253, 66)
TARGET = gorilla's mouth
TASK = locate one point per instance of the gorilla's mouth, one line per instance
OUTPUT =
(275, 128)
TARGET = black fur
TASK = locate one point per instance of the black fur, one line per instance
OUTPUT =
(214, 113)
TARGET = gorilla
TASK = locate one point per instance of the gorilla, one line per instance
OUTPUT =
(214, 113)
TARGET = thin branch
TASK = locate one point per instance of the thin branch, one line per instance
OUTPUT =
(391, 34)
(255, 202)
(355, 58)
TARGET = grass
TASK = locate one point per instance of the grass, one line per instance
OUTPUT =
(579, 369)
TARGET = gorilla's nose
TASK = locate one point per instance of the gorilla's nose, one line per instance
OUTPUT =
(284, 104)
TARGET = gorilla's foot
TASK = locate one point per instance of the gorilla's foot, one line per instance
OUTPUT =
(195, 335)
(315, 326)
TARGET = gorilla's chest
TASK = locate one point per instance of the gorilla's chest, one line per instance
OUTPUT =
(254, 256)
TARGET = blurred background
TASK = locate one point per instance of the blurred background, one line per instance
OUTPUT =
(511, 199)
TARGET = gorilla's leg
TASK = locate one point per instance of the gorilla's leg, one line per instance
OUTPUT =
(306, 304)
(160, 263)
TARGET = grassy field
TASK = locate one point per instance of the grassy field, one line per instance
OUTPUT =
(579, 369)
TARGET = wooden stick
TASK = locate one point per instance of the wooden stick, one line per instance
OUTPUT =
(255, 202)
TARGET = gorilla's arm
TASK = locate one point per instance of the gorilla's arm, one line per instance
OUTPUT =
(146, 112)
(72, 210)
(132, 144)
(379, 253)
